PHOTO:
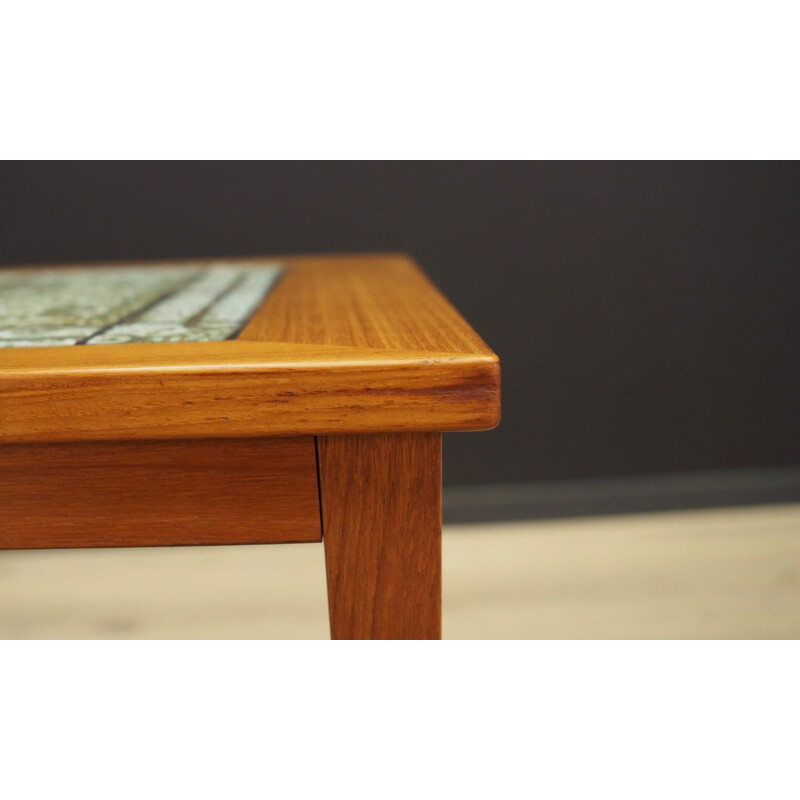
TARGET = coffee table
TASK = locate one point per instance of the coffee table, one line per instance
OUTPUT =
(233, 401)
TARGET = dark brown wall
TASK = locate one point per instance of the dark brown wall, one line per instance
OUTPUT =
(646, 314)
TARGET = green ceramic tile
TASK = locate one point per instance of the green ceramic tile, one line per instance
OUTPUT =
(196, 303)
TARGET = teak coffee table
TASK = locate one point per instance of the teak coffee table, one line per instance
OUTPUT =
(243, 401)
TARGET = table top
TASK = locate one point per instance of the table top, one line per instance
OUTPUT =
(117, 305)
(236, 347)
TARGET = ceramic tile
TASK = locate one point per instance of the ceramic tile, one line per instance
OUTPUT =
(201, 303)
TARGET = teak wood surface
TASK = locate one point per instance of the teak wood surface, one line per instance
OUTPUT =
(136, 494)
(382, 517)
(342, 344)
(322, 419)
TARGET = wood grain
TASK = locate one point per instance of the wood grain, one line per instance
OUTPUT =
(341, 345)
(370, 301)
(128, 494)
(381, 509)
(256, 390)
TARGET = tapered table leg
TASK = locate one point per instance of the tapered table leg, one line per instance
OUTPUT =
(382, 526)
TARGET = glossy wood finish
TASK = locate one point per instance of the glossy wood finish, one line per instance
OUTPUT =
(381, 509)
(381, 302)
(253, 389)
(345, 344)
(127, 494)
(161, 444)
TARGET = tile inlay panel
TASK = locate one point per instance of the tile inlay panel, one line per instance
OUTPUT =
(208, 302)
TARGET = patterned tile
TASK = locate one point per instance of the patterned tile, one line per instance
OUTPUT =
(196, 303)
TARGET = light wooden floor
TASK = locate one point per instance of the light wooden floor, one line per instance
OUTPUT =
(729, 573)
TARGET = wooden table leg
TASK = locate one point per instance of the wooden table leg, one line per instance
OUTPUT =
(382, 529)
